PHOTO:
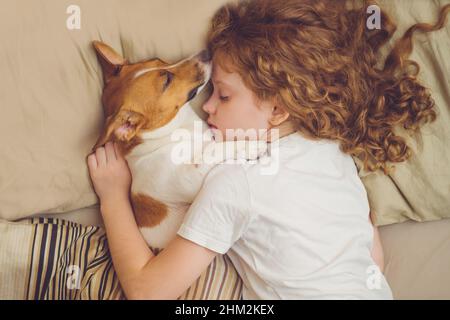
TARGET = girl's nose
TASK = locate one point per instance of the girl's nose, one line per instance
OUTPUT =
(209, 107)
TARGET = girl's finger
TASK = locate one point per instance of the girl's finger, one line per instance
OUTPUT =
(101, 156)
(92, 162)
(110, 153)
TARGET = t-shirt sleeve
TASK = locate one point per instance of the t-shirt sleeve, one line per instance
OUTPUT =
(220, 213)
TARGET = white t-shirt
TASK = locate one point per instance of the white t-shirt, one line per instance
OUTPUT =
(302, 232)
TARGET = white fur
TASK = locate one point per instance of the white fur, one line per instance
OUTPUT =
(155, 174)
(144, 71)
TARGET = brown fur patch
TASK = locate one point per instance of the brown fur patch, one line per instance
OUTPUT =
(146, 96)
(148, 212)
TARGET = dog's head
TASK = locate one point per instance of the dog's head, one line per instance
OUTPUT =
(145, 96)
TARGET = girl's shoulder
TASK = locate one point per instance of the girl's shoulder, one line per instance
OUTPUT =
(297, 140)
(227, 176)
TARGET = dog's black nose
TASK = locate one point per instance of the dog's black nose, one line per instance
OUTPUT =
(204, 56)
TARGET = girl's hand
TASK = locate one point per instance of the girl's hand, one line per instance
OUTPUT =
(109, 173)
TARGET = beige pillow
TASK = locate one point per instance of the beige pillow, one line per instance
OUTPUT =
(51, 112)
(420, 188)
(51, 85)
(50, 92)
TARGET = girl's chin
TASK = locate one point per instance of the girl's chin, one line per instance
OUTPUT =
(215, 133)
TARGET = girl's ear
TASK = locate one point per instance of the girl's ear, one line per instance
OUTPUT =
(278, 116)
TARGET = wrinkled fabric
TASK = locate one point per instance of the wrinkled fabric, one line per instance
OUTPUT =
(419, 189)
(51, 84)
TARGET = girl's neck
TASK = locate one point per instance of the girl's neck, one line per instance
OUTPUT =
(284, 129)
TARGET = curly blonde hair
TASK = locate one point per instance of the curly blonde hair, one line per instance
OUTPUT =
(318, 59)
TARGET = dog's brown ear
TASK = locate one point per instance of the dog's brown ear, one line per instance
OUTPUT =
(110, 61)
(122, 126)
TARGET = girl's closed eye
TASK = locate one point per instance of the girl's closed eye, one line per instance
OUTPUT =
(222, 97)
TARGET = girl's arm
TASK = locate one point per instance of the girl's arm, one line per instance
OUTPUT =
(142, 275)
(377, 248)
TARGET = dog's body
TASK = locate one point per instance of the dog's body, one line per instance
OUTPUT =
(156, 175)
(144, 105)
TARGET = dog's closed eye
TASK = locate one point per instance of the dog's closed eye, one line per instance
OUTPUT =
(168, 79)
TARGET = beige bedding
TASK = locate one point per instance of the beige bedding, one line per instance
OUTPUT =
(420, 188)
(417, 259)
(51, 116)
(50, 98)
(51, 85)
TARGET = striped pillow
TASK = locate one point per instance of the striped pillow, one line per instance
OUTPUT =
(52, 259)
(220, 281)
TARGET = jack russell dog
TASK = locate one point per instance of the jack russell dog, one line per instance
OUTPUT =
(144, 104)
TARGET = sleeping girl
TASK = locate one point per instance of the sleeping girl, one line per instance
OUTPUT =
(310, 70)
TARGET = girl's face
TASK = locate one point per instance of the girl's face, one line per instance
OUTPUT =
(233, 106)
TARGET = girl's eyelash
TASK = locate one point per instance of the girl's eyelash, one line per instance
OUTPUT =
(220, 97)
